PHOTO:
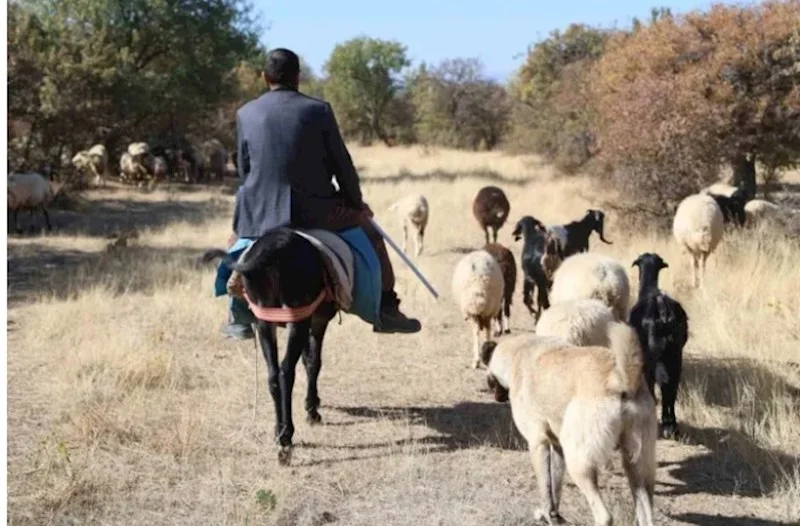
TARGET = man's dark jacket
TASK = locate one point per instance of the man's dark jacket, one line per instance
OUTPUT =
(288, 149)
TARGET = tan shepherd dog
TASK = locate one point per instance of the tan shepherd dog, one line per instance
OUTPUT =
(579, 405)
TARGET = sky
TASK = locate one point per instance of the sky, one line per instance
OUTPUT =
(496, 31)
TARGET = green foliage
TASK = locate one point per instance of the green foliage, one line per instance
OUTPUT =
(553, 114)
(457, 107)
(266, 499)
(111, 71)
(362, 83)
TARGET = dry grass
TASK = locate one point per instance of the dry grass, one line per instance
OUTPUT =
(126, 407)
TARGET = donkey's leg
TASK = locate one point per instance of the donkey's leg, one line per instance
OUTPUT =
(298, 340)
(269, 346)
(312, 358)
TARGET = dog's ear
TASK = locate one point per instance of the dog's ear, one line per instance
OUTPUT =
(487, 350)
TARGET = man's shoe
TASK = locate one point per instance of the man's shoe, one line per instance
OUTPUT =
(237, 331)
(394, 321)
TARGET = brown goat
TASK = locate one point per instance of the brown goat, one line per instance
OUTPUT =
(491, 209)
(508, 265)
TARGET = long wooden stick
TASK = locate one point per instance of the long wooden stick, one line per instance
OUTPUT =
(405, 259)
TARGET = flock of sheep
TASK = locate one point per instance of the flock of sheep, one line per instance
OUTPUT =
(139, 164)
(583, 385)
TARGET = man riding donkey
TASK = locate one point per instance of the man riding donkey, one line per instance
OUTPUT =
(289, 148)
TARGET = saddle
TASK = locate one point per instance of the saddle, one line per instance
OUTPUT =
(337, 257)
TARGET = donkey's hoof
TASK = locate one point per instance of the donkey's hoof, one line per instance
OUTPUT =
(285, 455)
(313, 417)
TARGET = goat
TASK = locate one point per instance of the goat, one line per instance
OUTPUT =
(574, 237)
(538, 246)
(733, 207)
(663, 328)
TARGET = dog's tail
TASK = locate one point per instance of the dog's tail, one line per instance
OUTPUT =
(628, 360)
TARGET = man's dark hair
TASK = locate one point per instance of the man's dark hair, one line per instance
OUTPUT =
(282, 67)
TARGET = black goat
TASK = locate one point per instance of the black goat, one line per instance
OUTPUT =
(733, 207)
(538, 244)
(663, 328)
(574, 237)
(284, 269)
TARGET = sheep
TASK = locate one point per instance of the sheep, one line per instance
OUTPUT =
(30, 191)
(413, 210)
(539, 253)
(214, 157)
(574, 237)
(593, 275)
(663, 329)
(95, 160)
(758, 211)
(478, 291)
(137, 164)
(160, 168)
(697, 227)
(508, 266)
(491, 208)
(581, 321)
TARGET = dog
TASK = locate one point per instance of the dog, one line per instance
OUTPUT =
(576, 406)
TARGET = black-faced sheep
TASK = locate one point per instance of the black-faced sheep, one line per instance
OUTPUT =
(508, 265)
(663, 328)
(30, 191)
(490, 209)
(413, 211)
(478, 291)
(698, 227)
(574, 237)
(593, 275)
(539, 254)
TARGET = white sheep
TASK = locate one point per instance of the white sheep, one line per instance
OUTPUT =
(593, 275)
(757, 211)
(137, 163)
(720, 189)
(698, 227)
(580, 321)
(478, 289)
(413, 210)
(30, 191)
(94, 160)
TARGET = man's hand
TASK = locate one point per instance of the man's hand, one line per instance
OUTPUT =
(366, 210)
(232, 239)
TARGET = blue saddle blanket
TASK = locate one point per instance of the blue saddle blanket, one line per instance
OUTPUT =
(366, 270)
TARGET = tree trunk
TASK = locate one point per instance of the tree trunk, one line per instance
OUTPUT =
(744, 173)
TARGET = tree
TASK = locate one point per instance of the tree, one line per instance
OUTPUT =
(552, 110)
(678, 98)
(87, 71)
(456, 106)
(362, 83)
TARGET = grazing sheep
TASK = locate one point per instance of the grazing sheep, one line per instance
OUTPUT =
(663, 328)
(214, 157)
(94, 160)
(414, 211)
(576, 407)
(137, 163)
(491, 209)
(593, 275)
(732, 207)
(698, 226)
(30, 191)
(508, 266)
(478, 290)
(581, 321)
(539, 252)
(574, 237)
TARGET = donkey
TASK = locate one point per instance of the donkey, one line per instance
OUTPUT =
(284, 278)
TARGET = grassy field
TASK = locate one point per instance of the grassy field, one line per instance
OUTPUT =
(125, 406)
